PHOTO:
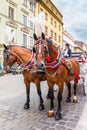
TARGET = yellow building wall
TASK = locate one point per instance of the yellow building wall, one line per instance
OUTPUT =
(45, 8)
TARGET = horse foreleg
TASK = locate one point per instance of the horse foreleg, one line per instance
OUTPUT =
(27, 105)
(51, 100)
(75, 98)
(58, 113)
(51, 93)
(48, 95)
(41, 106)
(68, 99)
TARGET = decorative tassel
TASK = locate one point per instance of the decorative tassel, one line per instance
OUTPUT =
(47, 58)
(77, 77)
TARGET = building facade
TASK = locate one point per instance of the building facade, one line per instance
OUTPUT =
(52, 20)
(80, 46)
(15, 15)
(67, 38)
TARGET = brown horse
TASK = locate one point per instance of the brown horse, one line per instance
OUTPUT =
(13, 54)
(58, 70)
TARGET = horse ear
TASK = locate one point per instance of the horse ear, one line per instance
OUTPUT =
(5, 46)
(35, 37)
(43, 36)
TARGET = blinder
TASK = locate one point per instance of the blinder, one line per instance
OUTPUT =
(38, 49)
(5, 55)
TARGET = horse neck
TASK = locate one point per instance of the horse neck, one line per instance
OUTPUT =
(53, 52)
(22, 55)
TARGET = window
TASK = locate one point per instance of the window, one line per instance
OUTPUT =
(24, 39)
(46, 30)
(12, 35)
(11, 13)
(31, 25)
(59, 39)
(55, 36)
(51, 33)
(51, 21)
(55, 24)
(31, 41)
(24, 20)
(41, 10)
(46, 16)
(25, 2)
(31, 6)
(59, 28)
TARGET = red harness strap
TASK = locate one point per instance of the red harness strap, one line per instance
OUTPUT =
(47, 58)
(53, 65)
(28, 64)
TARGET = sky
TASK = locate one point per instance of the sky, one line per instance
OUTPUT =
(74, 17)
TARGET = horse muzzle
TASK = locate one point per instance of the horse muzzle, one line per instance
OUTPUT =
(40, 65)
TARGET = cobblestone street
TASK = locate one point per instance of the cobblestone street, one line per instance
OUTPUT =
(14, 117)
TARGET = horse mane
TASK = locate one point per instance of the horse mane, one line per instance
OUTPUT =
(9, 47)
(49, 41)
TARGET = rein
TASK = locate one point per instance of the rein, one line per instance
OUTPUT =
(29, 65)
(55, 63)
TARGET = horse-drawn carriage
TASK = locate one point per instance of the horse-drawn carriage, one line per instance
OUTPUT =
(80, 57)
(46, 58)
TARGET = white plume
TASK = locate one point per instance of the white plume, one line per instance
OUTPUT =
(38, 23)
(8, 35)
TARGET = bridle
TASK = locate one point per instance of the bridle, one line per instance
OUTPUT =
(6, 55)
(48, 63)
(23, 65)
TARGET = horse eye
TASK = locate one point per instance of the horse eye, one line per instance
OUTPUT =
(34, 51)
(46, 48)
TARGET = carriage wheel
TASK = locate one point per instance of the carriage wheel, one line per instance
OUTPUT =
(83, 81)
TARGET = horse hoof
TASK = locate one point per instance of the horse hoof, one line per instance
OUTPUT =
(51, 113)
(26, 106)
(58, 116)
(68, 100)
(41, 107)
(75, 101)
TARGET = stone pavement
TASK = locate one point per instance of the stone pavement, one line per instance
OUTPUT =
(14, 117)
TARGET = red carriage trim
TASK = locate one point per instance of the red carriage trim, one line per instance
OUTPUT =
(83, 60)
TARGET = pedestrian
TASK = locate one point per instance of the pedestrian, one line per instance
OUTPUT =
(67, 51)
(0, 66)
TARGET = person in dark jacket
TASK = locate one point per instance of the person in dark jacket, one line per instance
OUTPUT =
(67, 51)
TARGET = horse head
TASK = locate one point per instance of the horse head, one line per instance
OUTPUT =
(44, 50)
(15, 54)
(9, 58)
